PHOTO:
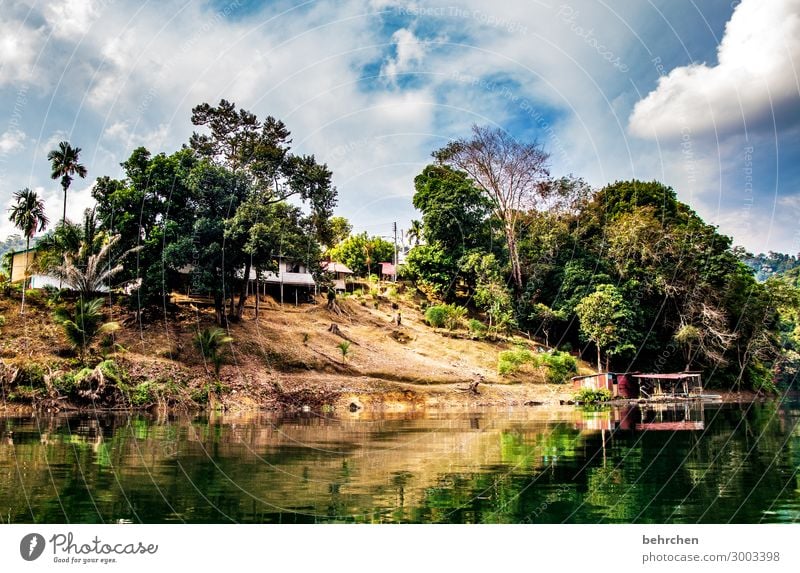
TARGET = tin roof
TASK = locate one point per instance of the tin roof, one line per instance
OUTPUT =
(292, 279)
(387, 268)
(334, 267)
(670, 376)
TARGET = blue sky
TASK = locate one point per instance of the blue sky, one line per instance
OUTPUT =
(703, 96)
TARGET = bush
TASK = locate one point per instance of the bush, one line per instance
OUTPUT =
(510, 361)
(142, 394)
(436, 316)
(52, 293)
(202, 394)
(445, 315)
(24, 394)
(34, 296)
(477, 328)
(591, 396)
(31, 374)
(559, 366)
(455, 316)
(65, 384)
(2, 320)
(210, 342)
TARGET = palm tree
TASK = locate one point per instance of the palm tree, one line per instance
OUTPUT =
(84, 324)
(64, 164)
(27, 214)
(414, 232)
(94, 274)
(210, 342)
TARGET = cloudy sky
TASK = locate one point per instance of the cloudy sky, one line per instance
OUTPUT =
(703, 96)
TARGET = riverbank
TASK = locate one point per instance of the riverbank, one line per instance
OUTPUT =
(287, 358)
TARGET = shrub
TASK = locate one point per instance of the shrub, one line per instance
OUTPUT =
(103, 383)
(210, 342)
(592, 396)
(510, 361)
(201, 395)
(455, 316)
(65, 384)
(445, 315)
(53, 294)
(31, 374)
(34, 296)
(477, 328)
(2, 320)
(142, 394)
(84, 324)
(344, 347)
(559, 366)
(436, 316)
(24, 393)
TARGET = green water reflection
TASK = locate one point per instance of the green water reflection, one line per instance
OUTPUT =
(713, 464)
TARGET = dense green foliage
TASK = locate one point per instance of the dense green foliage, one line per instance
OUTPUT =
(510, 361)
(557, 367)
(605, 320)
(628, 274)
(436, 315)
(362, 253)
(768, 265)
(592, 396)
(450, 316)
(202, 218)
(84, 323)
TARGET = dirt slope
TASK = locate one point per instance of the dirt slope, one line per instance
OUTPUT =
(289, 356)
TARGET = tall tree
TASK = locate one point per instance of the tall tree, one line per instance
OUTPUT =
(513, 175)
(340, 230)
(27, 214)
(359, 252)
(216, 194)
(265, 232)
(64, 165)
(605, 320)
(151, 209)
(260, 152)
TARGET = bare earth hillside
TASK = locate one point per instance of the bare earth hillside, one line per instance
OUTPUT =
(289, 357)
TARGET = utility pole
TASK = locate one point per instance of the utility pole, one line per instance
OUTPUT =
(394, 262)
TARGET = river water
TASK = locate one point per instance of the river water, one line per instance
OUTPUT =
(704, 463)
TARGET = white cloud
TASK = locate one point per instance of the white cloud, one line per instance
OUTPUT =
(133, 79)
(11, 141)
(755, 81)
(122, 132)
(69, 18)
(52, 142)
(19, 45)
(410, 51)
